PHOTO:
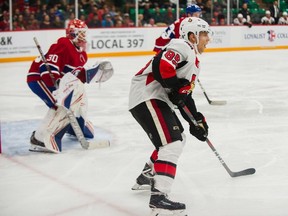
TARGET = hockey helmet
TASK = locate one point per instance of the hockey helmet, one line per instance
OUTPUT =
(76, 31)
(193, 9)
(194, 25)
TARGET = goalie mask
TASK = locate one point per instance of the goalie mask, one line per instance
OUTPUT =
(76, 31)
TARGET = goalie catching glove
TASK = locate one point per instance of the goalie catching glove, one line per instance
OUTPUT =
(99, 72)
(200, 131)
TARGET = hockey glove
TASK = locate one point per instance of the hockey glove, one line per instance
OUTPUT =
(178, 97)
(201, 130)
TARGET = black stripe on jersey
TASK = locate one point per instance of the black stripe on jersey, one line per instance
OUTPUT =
(181, 64)
(155, 66)
(171, 82)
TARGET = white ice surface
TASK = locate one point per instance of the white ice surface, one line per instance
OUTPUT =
(251, 130)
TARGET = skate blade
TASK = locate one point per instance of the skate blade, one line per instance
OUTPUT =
(36, 148)
(165, 212)
(141, 187)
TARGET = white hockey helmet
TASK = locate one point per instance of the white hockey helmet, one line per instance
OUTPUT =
(194, 25)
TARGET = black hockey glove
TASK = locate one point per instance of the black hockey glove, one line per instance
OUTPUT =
(201, 130)
(178, 96)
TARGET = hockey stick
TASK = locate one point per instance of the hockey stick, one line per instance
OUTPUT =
(249, 171)
(73, 121)
(220, 102)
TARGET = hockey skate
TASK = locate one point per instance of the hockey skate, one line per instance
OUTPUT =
(37, 146)
(143, 181)
(161, 205)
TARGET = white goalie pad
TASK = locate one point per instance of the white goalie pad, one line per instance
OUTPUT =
(70, 92)
(99, 72)
(52, 124)
(70, 96)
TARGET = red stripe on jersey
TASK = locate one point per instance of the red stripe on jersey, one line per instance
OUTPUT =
(193, 78)
(162, 121)
(160, 43)
(47, 91)
(197, 62)
(150, 78)
(154, 156)
(165, 168)
(166, 69)
(142, 70)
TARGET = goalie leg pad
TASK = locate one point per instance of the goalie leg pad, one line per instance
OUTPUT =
(86, 127)
(52, 129)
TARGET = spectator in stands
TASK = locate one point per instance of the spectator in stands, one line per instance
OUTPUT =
(283, 19)
(275, 12)
(57, 23)
(222, 21)
(169, 17)
(127, 22)
(141, 22)
(33, 23)
(82, 18)
(94, 22)
(151, 23)
(213, 22)
(245, 12)
(21, 22)
(71, 17)
(158, 16)
(267, 19)
(16, 14)
(240, 20)
(146, 12)
(93, 10)
(46, 24)
(118, 23)
(16, 27)
(3, 23)
(107, 22)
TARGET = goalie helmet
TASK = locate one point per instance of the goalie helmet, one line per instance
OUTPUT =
(76, 31)
(194, 25)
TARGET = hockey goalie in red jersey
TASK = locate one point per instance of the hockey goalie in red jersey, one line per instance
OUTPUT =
(168, 80)
(67, 55)
(173, 31)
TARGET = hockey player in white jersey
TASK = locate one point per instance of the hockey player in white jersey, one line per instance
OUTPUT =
(168, 80)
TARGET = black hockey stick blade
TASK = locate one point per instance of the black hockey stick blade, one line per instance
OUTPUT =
(220, 102)
(249, 171)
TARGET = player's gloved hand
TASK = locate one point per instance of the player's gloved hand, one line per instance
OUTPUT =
(178, 97)
(201, 130)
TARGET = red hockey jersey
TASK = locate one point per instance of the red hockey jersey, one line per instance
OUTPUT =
(62, 57)
(170, 32)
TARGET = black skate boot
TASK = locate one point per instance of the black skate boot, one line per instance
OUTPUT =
(143, 182)
(36, 145)
(160, 204)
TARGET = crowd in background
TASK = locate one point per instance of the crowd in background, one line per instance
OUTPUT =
(55, 14)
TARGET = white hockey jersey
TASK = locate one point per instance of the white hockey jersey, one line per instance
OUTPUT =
(179, 58)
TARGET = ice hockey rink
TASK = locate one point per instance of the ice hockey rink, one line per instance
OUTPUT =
(251, 130)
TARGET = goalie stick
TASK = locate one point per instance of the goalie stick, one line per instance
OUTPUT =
(93, 144)
(249, 171)
(214, 102)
